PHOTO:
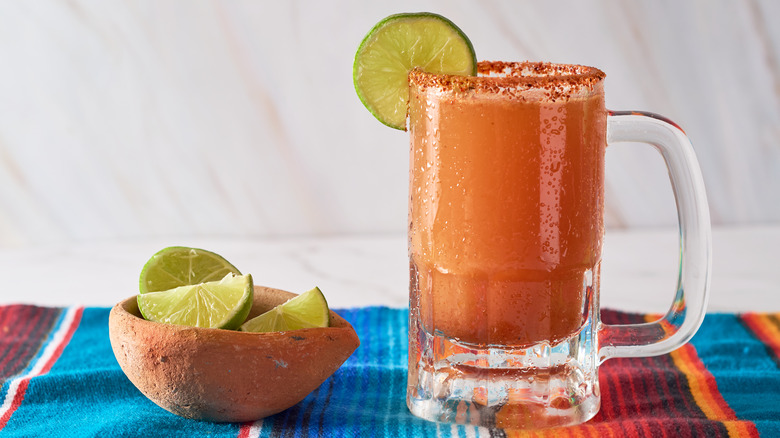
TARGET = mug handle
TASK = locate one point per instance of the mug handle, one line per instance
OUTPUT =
(690, 302)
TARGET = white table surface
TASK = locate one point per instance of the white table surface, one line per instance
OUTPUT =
(639, 269)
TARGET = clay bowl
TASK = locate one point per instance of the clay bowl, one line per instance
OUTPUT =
(225, 375)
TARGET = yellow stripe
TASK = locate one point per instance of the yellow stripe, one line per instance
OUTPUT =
(738, 429)
(768, 328)
(697, 382)
(733, 428)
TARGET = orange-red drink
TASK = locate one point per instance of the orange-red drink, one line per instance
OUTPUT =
(505, 228)
(506, 203)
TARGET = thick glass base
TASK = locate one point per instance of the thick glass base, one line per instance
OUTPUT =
(542, 385)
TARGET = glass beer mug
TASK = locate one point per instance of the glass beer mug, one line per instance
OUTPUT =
(506, 224)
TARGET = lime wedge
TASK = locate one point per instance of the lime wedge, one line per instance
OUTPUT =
(181, 266)
(221, 304)
(394, 47)
(307, 310)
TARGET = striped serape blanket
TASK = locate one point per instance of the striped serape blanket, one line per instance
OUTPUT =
(58, 377)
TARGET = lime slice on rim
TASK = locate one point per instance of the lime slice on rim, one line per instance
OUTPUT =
(307, 310)
(394, 47)
(216, 304)
(182, 266)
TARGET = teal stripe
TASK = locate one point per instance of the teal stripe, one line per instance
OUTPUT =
(318, 407)
(86, 394)
(746, 374)
(373, 331)
(378, 323)
(288, 419)
(351, 393)
(359, 391)
(377, 348)
(391, 427)
(403, 323)
(265, 430)
(306, 405)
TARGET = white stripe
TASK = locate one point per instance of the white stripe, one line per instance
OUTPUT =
(56, 340)
(9, 397)
(481, 431)
(254, 429)
(48, 352)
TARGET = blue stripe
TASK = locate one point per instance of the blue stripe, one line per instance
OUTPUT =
(379, 348)
(746, 375)
(304, 406)
(86, 394)
(390, 427)
(265, 430)
(318, 406)
(347, 390)
(375, 365)
(374, 375)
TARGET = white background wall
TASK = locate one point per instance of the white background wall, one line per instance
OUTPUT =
(130, 119)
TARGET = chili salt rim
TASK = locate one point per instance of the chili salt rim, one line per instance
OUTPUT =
(514, 79)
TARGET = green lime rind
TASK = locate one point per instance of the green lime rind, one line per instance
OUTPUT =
(397, 45)
(307, 310)
(178, 266)
(222, 304)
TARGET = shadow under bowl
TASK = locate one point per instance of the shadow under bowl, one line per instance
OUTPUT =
(226, 375)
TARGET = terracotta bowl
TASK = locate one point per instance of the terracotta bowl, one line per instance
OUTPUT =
(225, 375)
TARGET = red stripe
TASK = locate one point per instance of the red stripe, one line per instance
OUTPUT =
(602, 430)
(647, 429)
(752, 429)
(22, 388)
(594, 432)
(11, 360)
(665, 362)
(620, 399)
(684, 390)
(243, 432)
(710, 398)
(633, 429)
(656, 427)
(630, 390)
(35, 339)
(762, 327)
(17, 401)
(4, 312)
(610, 398)
(9, 318)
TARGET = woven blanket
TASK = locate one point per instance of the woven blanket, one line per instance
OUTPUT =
(58, 377)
